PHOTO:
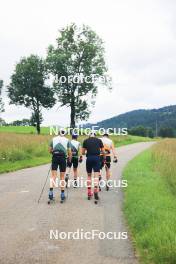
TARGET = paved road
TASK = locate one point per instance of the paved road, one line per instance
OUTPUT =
(25, 225)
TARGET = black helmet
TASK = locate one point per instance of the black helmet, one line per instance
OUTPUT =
(106, 134)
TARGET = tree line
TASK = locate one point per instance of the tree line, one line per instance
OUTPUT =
(23, 122)
(79, 52)
(163, 132)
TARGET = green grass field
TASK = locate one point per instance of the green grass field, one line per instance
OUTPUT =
(20, 147)
(119, 140)
(126, 140)
(150, 204)
(19, 151)
(24, 130)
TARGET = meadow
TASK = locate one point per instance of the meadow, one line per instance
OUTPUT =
(23, 130)
(150, 203)
(20, 147)
(22, 150)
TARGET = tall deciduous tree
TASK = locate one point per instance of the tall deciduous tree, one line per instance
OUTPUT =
(76, 62)
(1, 103)
(28, 87)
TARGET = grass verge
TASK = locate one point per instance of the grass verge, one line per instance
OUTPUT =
(150, 210)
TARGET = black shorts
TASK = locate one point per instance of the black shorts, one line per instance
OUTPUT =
(59, 161)
(108, 162)
(73, 162)
(93, 163)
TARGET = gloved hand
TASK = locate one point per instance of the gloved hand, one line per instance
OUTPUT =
(80, 159)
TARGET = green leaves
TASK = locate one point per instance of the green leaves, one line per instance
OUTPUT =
(78, 51)
(28, 86)
(1, 103)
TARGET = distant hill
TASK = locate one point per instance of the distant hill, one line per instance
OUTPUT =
(164, 117)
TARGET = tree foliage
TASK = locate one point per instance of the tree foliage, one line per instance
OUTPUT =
(141, 131)
(2, 122)
(1, 103)
(153, 119)
(79, 53)
(28, 87)
(166, 132)
(23, 122)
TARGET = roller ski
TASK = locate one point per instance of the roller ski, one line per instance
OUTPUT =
(107, 187)
(66, 180)
(63, 198)
(50, 197)
(96, 197)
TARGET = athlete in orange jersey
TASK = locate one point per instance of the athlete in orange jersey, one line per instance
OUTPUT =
(109, 149)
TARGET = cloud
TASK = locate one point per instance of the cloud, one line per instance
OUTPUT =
(140, 42)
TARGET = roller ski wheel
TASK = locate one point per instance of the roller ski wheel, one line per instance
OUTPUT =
(96, 197)
(75, 184)
(51, 200)
(107, 188)
(63, 198)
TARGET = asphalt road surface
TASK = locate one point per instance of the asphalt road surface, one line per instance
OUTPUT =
(25, 225)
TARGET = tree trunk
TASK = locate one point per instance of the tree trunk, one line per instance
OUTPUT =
(38, 126)
(72, 105)
(72, 115)
(38, 119)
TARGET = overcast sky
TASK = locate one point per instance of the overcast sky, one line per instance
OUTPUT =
(140, 43)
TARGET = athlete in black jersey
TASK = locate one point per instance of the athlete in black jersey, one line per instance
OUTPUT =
(92, 147)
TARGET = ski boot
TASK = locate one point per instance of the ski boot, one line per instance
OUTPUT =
(62, 197)
(89, 194)
(50, 196)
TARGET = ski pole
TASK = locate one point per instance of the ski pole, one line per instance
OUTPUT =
(44, 185)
